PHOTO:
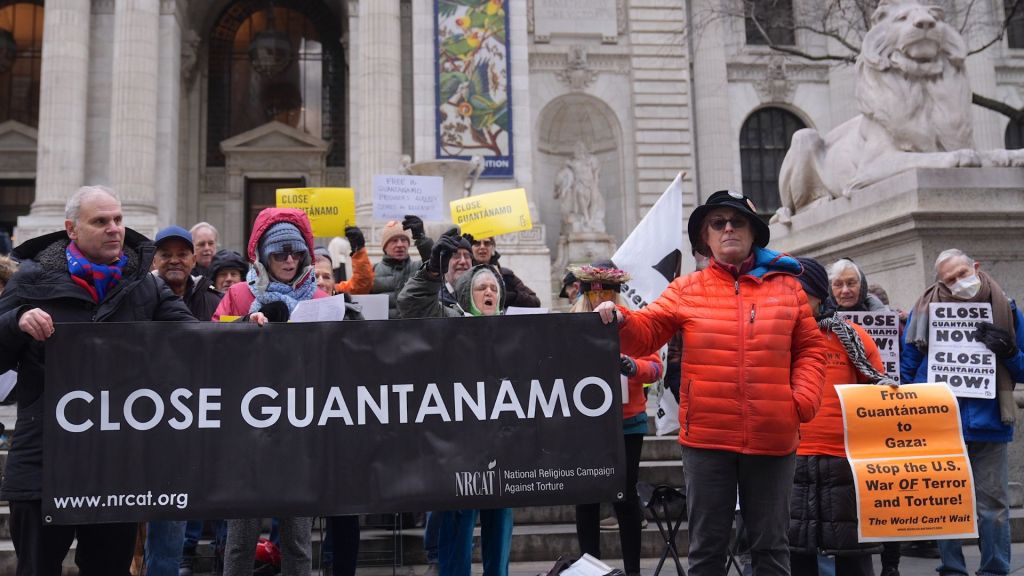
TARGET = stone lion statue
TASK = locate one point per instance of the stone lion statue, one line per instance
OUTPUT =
(915, 104)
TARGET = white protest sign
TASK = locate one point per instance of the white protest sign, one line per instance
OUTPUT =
(968, 367)
(519, 311)
(374, 306)
(884, 328)
(396, 196)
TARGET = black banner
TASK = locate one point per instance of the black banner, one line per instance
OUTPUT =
(182, 421)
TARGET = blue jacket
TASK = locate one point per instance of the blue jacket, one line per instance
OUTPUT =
(979, 417)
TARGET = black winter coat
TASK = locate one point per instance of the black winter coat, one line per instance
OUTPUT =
(43, 282)
(201, 298)
(823, 512)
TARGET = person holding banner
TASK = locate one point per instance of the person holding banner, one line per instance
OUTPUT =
(95, 270)
(395, 269)
(599, 283)
(824, 511)
(432, 292)
(281, 275)
(753, 367)
(987, 423)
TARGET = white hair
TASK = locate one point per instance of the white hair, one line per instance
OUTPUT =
(74, 204)
(840, 266)
(200, 226)
(951, 253)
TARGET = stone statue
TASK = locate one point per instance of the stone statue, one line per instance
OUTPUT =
(914, 98)
(577, 188)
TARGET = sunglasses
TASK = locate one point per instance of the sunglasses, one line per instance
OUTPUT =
(281, 257)
(487, 243)
(737, 223)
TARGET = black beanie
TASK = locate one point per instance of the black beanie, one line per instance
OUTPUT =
(813, 278)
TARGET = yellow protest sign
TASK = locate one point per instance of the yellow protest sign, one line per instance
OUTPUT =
(910, 466)
(330, 210)
(492, 214)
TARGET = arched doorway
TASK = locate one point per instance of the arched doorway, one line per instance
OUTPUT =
(277, 62)
(764, 141)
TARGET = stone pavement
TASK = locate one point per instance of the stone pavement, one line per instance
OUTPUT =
(908, 566)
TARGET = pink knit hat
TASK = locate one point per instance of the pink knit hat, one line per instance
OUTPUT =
(392, 230)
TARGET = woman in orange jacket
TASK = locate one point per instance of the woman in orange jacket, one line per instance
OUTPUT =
(824, 507)
(598, 283)
(752, 371)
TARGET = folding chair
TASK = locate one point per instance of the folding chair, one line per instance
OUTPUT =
(668, 508)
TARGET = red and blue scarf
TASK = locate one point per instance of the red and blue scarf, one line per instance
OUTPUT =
(97, 279)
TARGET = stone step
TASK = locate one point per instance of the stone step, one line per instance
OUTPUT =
(660, 448)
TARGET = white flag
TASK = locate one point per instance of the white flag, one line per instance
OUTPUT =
(656, 246)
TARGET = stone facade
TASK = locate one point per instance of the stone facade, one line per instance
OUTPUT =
(653, 87)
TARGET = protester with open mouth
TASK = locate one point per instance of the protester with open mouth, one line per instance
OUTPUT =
(478, 292)
(600, 282)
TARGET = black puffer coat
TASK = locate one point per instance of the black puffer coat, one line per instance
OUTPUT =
(43, 282)
(823, 512)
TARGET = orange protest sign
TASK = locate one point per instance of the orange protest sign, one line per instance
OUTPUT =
(910, 466)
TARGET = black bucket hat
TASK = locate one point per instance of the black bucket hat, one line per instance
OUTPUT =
(567, 281)
(727, 199)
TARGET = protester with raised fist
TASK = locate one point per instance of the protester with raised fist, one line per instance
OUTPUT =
(987, 423)
(824, 506)
(753, 367)
(431, 291)
(601, 282)
(95, 270)
(395, 269)
(361, 280)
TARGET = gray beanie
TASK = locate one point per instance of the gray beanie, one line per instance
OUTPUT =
(281, 237)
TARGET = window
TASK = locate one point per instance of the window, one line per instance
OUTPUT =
(764, 141)
(272, 62)
(771, 17)
(21, 57)
(1014, 10)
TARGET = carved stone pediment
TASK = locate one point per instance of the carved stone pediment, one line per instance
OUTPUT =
(274, 137)
(17, 137)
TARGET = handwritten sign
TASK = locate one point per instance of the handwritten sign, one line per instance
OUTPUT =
(493, 214)
(884, 328)
(330, 210)
(396, 196)
(910, 467)
(954, 356)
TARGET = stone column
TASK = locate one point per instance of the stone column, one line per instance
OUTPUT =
(60, 164)
(133, 110)
(717, 162)
(380, 84)
(168, 116)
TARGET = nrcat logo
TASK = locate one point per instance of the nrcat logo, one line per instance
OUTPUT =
(476, 483)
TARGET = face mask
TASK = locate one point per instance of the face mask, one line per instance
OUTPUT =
(966, 288)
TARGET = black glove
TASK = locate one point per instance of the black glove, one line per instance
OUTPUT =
(996, 339)
(276, 311)
(442, 251)
(469, 238)
(413, 224)
(627, 366)
(355, 239)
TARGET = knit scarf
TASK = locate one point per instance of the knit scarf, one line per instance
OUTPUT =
(273, 291)
(96, 279)
(1002, 316)
(854, 349)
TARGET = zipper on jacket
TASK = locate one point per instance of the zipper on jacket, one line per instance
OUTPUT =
(689, 406)
(753, 312)
(743, 347)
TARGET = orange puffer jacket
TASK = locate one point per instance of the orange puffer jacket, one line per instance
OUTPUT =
(824, 434)
(753, 358)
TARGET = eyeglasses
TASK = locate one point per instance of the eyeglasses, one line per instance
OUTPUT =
(281, 257)
(737, 223)
(487, 243)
